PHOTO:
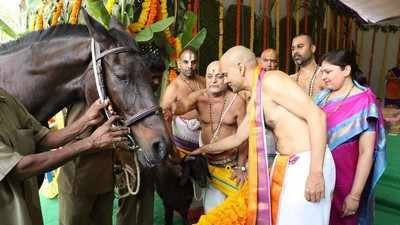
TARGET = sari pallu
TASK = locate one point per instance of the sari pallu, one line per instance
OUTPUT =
(346, 120)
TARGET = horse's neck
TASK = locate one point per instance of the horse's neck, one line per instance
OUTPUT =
(50, 75)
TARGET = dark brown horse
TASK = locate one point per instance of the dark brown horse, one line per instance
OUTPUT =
(50, 69)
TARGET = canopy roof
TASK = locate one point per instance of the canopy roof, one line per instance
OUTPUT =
(376, 11)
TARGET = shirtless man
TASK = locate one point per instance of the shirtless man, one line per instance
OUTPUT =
(309, 75)
(185, 128)
(220, 112)
(303, 174)
(269, 59)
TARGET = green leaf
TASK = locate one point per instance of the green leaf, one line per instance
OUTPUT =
(162, 24)
(190, 22)
(198, 40)
(97, 9)
(7, 29)
(144, 35)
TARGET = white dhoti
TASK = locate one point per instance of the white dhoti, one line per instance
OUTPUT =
(185, 133)
(293, 208)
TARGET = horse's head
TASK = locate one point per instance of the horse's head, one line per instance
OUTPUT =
(127, 78)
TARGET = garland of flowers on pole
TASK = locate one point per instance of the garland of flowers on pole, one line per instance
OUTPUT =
(384, 65)
(288, 33)
(266, 24)
(238, 9)
(39, 20)
(371, 58)
(73, 19)
(277, 17)
(57, 13)
(252, 14)
(221, 28)
(154, 6)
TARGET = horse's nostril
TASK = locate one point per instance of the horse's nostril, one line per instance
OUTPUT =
(159, 148)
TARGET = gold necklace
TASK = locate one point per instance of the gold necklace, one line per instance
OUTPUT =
(220, 116)
(188, 84)
(311, 85)
(341, 101)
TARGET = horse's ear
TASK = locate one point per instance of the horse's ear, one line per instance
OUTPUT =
(96, 30)
(115, 24)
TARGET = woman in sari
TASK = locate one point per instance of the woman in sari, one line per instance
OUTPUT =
(356, 138)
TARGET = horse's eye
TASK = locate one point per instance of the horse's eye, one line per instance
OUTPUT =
(121, 76)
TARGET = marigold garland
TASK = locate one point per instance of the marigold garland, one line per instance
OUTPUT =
(172, 74)
(75, 12)
(57, 13)
(139, 25)
(39, 20)
(152, 12)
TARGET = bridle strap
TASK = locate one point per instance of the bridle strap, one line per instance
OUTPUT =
(113, 51)
(143, 114)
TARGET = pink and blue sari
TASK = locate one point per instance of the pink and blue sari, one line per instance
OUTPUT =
(346, 120)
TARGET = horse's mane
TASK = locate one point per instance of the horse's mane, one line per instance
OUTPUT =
(58, 31)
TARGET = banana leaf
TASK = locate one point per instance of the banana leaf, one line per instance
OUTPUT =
(147, 33)
(190, 22)
(162, 24)
(7, 29)
(97, 9)
(197, 40)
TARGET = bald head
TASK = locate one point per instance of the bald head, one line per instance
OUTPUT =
(239, 55)
(213, 67)
(269, 59)
(235, 63)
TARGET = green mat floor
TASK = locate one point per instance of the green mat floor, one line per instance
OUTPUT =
(50, 211)
(387, 210)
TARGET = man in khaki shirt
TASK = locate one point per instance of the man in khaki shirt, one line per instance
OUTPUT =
(24, 145)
